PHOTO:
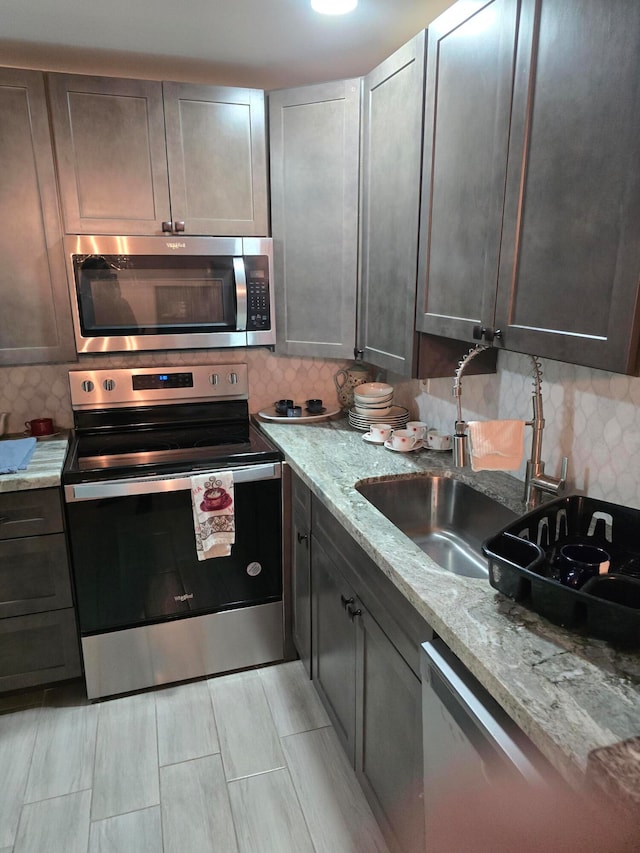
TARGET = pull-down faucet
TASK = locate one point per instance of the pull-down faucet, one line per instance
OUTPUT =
(536, 481)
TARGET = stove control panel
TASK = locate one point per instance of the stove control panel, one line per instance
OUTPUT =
(93, 389)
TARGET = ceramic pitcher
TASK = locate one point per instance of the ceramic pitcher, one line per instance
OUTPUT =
(349, 378)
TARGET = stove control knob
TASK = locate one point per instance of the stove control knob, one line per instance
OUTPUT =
(233, 378)
(87, 385)
(214, 379)
(109, 384)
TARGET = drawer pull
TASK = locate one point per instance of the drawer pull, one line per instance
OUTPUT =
(346, 601)
(302, 537)
(353, 613)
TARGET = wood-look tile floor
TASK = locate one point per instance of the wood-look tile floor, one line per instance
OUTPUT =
(241, 763)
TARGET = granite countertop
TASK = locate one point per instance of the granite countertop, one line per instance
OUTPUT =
(570, 694)
(45, 466)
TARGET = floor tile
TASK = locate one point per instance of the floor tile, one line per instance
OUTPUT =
(196, 814)
(186, 727)
(293, 700)
(267, 815)
(135, 832)
(59, 825)
(65, 746)
(126, 765)
(337, 814)
(17, 738)
(248, 739)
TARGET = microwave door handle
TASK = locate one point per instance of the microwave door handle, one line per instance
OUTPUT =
(241, 294)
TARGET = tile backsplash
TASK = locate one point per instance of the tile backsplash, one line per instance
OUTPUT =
(43, 390)
(591, 416)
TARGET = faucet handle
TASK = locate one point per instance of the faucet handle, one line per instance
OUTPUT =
(563, 472)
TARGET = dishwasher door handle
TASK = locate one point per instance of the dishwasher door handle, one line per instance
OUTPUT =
(150, 485)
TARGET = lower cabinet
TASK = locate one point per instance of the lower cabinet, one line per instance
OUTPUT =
(365, 657)
(38, 634)
(301, 569)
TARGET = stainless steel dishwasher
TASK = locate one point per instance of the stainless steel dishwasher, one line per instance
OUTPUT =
(463, 726)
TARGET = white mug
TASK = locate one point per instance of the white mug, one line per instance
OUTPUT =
(438, 440)
(419, 428)
(380, 432)
(403, 439)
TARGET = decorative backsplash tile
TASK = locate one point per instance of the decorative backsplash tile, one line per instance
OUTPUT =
(593, 417)
(43, 390)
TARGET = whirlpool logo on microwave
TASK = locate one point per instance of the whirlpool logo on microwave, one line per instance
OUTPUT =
(176, 245)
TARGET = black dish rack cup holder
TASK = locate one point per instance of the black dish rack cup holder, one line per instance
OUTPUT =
(522, 565)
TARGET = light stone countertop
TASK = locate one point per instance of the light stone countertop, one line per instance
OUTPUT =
(45, 466)
(568, 693)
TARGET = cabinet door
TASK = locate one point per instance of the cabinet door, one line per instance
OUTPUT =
(470, 57)
(392, 113)
(301, 571)
(34, 575)
(314, 141)
(38, 649)
(216, 152)
(570, 261)
(36, 318)
(389, 738)
(110, 152)
(334, 646)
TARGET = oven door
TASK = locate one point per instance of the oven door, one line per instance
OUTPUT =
(133, 550)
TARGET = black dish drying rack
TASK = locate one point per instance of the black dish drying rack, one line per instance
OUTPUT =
(522, 561)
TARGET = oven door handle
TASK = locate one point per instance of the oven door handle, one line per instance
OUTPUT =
(171, 483)
(240, 276)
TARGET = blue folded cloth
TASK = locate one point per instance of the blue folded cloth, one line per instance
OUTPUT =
(15, 455)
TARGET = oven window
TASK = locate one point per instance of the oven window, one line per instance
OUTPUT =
(146, 295)
(134, 558)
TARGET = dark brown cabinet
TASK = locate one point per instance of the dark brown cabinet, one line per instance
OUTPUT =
(301, 569)
(36, 317)
(366, 641)
(145, 157)
(531, 179)
(314, 156)
(392, 115)
(38, 634)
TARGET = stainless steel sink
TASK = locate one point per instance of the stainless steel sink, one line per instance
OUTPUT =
(445, 517)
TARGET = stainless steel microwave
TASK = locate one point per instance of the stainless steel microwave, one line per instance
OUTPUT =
(165, 293)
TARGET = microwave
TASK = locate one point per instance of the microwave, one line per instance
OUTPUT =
(130, 294)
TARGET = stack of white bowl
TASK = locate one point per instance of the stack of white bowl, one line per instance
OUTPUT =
(373, 403)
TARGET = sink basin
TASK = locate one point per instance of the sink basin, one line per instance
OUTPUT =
(445, 517)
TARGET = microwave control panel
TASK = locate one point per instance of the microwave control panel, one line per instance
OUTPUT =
(258, 311)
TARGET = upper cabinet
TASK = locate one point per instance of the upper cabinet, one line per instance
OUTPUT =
(531, 181)
(392, 114)
(144, 157)
(314, 151)
(36, 319)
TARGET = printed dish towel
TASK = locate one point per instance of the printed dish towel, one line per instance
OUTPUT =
(15, 454)
(496, 445)
(212, 500)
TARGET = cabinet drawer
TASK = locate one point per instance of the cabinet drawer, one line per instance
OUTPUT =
(38, 649)
(30, 513)
(34, 575)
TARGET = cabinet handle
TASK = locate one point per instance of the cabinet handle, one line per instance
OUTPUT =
(481, 333)
(178, 226)
(167, 228)
(353, 613)
(346, 601)
(302, 537)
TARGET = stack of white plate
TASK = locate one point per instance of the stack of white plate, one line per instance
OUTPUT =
(373, 403)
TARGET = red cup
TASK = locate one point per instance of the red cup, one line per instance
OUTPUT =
(40, 426)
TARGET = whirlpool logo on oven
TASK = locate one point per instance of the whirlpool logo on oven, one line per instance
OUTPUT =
(176, 245)
(187, 597)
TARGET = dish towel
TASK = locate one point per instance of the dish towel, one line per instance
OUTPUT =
(213, 505)
(496, 445)
(15, 454)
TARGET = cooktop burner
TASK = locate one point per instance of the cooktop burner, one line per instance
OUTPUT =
(179, 422)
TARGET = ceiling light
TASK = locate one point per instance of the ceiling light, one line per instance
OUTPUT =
(333, 7)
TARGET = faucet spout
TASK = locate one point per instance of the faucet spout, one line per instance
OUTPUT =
(536, 483)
